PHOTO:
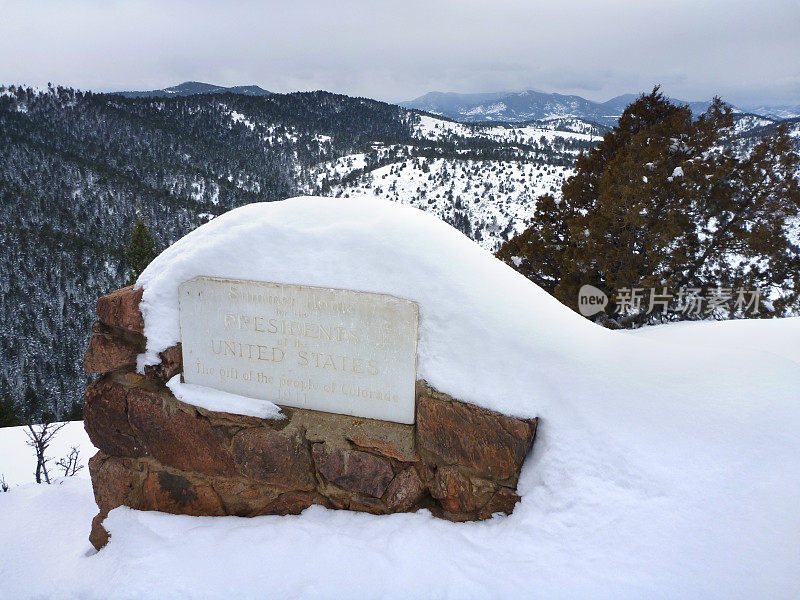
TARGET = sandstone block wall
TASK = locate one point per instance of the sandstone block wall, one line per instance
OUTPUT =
(156, 453)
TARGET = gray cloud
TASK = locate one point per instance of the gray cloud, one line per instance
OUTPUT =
(743, 50)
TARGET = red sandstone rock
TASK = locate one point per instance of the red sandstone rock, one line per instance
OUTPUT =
(111, 481)
(270, 456)
(107, 352)
(353, 470)
(337, 497)
(367, 504)
(503, 501)
(405, 491)
(453, 490)
(289, 503)
(385, 446)
(112, 484)
(176, 438)
(179, 495)
(242, 497)
(105, 419)
(469, 458)
(121, 309)
(485, 442)
(171, 364)
(425, 472)
(482, 490)
(98, 536)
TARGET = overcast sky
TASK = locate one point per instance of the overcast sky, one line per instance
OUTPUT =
(745, 51)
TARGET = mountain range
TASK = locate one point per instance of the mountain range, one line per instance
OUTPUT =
(532, 105)
(506, 107)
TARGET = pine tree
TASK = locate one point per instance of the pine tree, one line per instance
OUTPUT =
(660, 203)
(8, 413)
(140, 250)
(75, 412)
(33, 409)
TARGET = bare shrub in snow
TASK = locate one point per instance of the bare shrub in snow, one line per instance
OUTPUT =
(39, 438)
(70, 463)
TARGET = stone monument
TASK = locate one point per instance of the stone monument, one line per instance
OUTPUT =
(357, 429)
(336, 351)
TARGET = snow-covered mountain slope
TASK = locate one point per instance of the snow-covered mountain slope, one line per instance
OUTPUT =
(661, 469)
(791, 126)
(777, 111)
(75, 168)
(527, 105)
(574, 125)
(432, 128)
(488, 197)
(448, 103)
(745, 122)
(491, 106)
(514, 106)
(490, 201)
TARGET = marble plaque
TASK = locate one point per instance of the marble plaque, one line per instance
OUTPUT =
(338, 351)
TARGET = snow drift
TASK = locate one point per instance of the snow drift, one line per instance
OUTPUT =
(662, 469)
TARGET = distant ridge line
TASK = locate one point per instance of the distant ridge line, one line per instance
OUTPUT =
(192, 88)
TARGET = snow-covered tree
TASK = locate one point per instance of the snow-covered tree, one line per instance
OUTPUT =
(659, 203)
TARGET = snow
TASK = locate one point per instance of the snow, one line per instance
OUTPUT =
(343, 165)
(377, 246)
(18, 461)
(217, 400)
(666, 465)
(44, 530)
(432, 128)
(238, 117)
(775, 336)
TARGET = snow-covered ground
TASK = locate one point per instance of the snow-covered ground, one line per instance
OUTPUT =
(667, 462)
(780, 337)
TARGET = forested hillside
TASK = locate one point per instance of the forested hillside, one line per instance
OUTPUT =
(76, 167)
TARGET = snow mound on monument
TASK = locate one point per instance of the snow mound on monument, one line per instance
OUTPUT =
(477, 315)
(662, 468)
